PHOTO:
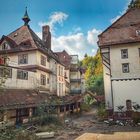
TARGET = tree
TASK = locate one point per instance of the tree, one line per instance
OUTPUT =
(94, 73)
(95, 84)
(86, 55)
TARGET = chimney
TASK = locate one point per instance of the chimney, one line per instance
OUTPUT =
(46, 36)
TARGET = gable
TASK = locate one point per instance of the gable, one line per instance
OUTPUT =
(124, 30)
(6, 43)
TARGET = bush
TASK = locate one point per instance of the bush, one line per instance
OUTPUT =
(102, 113)
(25, 136)
(49, 119)
(7, 134)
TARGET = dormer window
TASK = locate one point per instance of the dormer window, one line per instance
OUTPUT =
(5, 46)
(124, 53)
(16, 34)
(137, 32)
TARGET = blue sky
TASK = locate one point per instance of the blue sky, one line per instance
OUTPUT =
(75, 24)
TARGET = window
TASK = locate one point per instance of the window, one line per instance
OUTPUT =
(5, 46)
(48, 59)
(43, 79)
(48, 81)
(66, 75)
(59, 70)
(24, 112)
(6, 72)
(22, 74)
(124, 53)
(125, 68)
(43, 60)
(23, 59)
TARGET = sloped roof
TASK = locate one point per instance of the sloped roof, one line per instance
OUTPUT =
(64, 58)
(23, 34)
(18, 98)
(21, 98)
(123, 30)
(25, 39)
(10, 41)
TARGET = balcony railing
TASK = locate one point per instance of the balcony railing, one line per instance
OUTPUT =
(74, 67)
(78, 91)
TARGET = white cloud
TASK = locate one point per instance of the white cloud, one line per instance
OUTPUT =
(39, 34)
(121, 13)
(55, 18)
(92, 36)
(77, 43)
(93, 50)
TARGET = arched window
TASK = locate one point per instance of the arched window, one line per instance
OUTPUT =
(128, 105)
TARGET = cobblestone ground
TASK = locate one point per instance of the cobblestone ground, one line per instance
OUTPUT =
(87, 123)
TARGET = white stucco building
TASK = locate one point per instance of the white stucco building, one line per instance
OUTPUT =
(120, 50)
(34, 75)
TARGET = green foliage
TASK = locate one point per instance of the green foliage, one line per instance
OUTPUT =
(94, 73)
(10, 133)
(7, 133)
(95, 84)
(88, 100)
(45, 116)
(102, 113)
(22, 135)
(49, 119)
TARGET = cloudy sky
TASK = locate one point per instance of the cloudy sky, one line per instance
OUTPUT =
(75, 24)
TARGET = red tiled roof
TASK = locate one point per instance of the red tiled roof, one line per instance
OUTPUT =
(123, 30)
(24, 39)
(10, 41)
(64, 58)
(18, 98)
(21, 98)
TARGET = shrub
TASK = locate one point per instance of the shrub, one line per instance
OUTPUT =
(49, 119)
(25, 136)
(102, 113)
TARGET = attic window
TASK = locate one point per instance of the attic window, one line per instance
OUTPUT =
(16, 34)
(137, 32)
(5, 46)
